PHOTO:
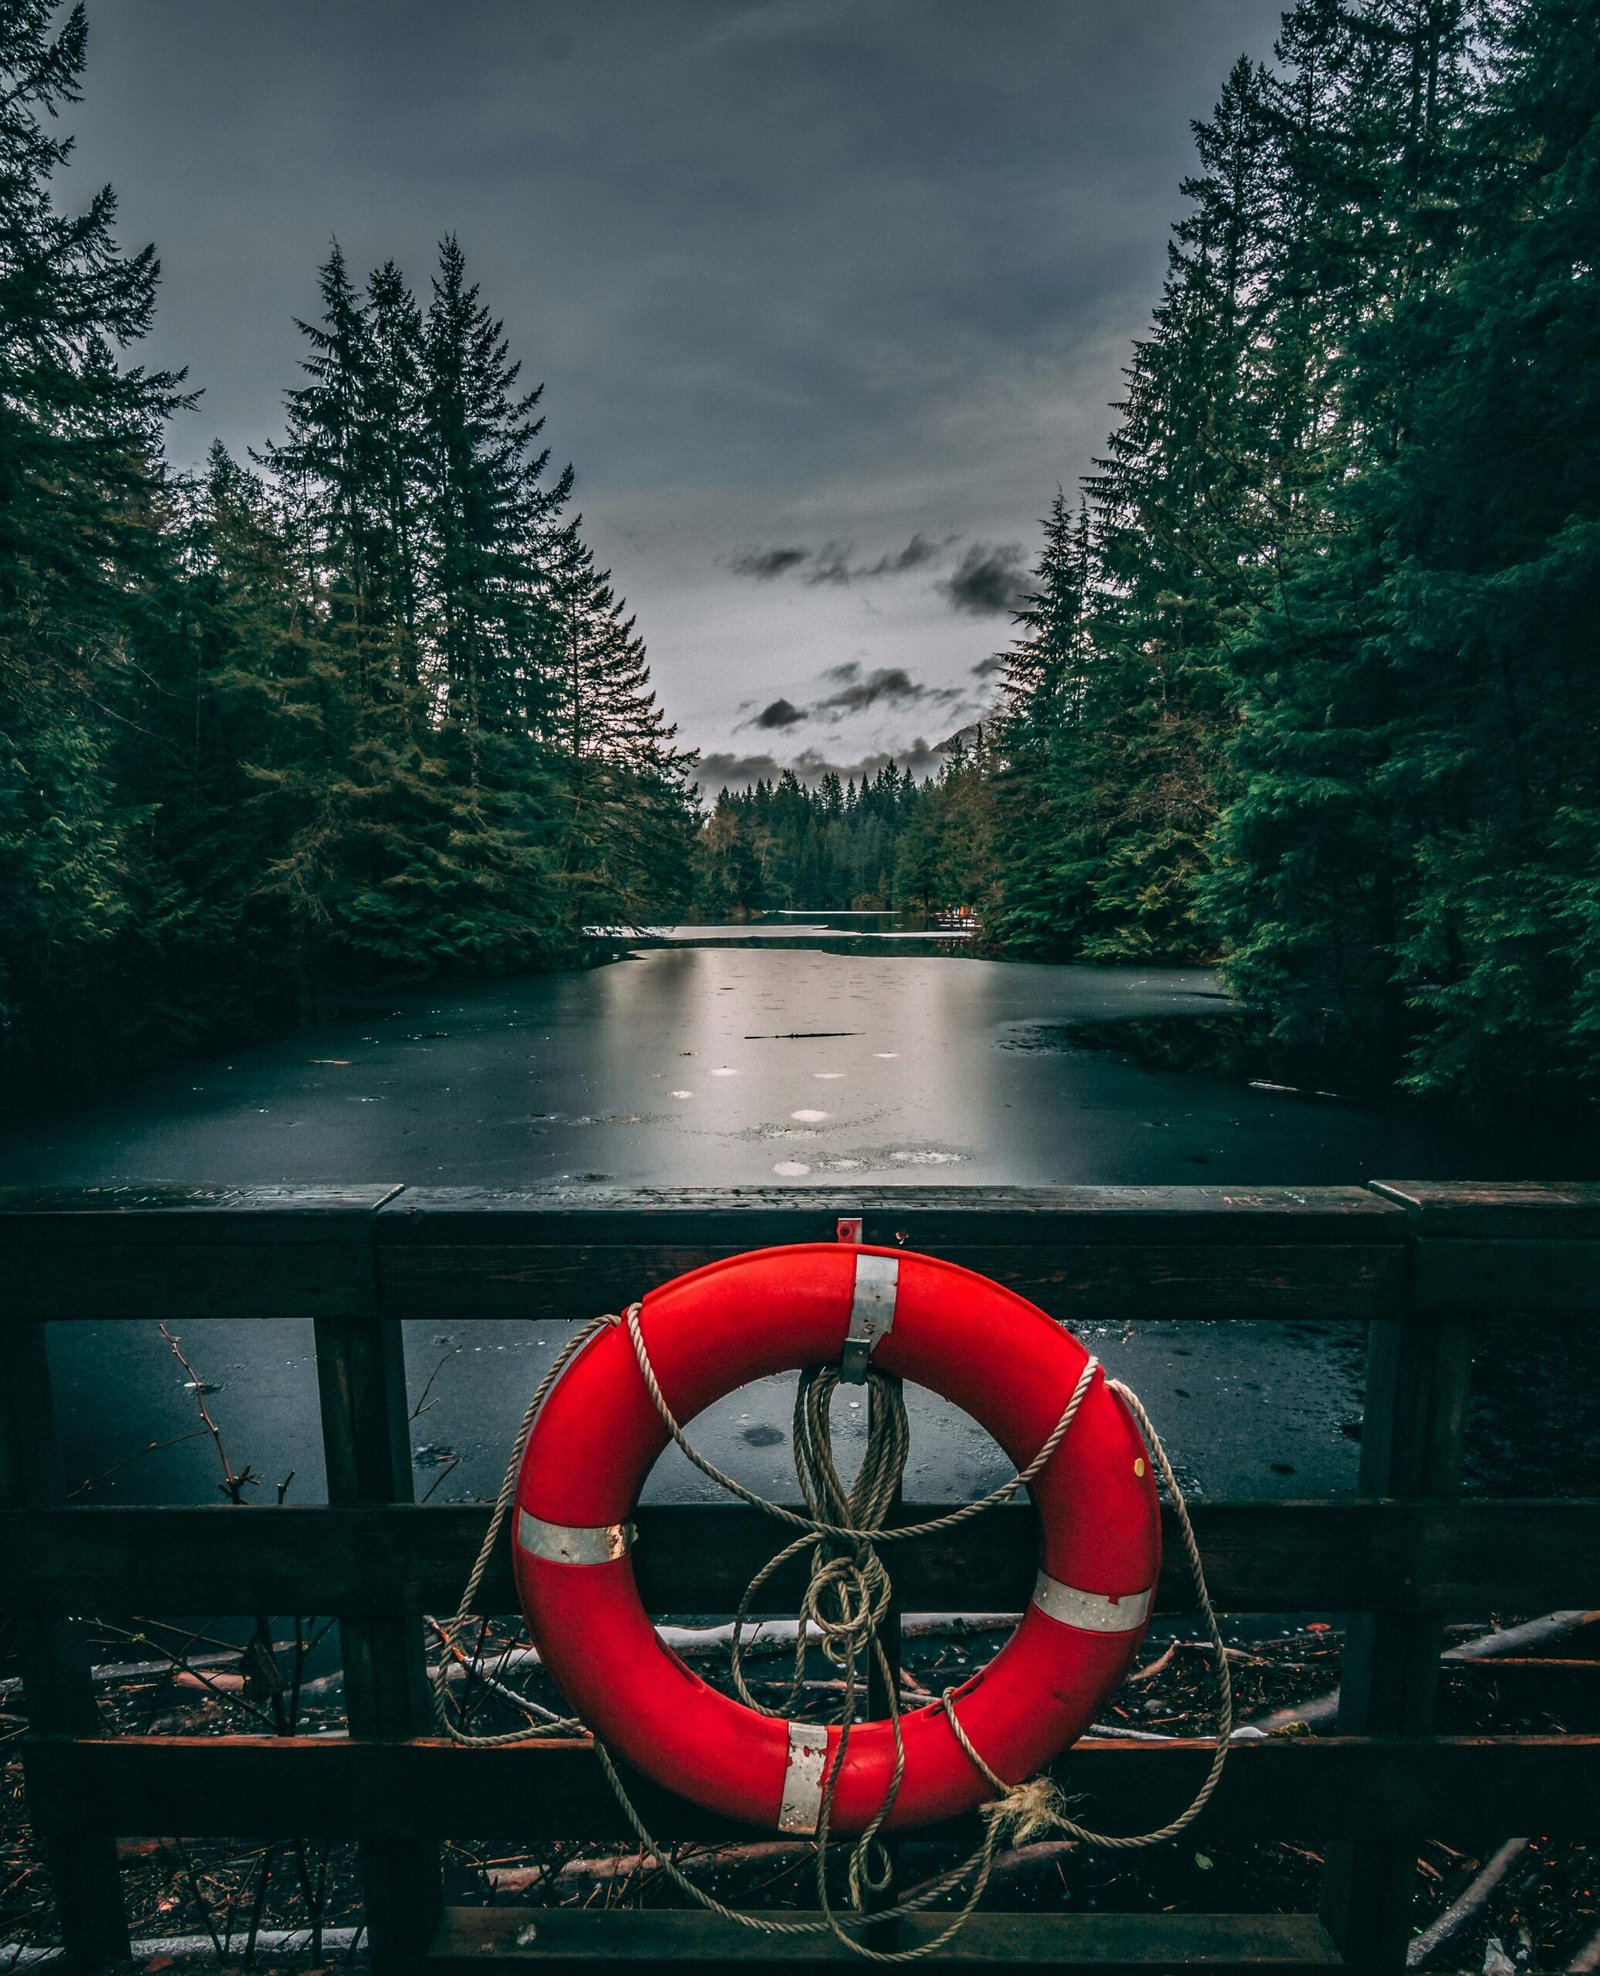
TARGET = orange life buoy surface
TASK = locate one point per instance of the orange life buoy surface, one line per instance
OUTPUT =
(776, 1310)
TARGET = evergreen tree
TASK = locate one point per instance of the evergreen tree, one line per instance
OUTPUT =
(79, 481)
(628, 816)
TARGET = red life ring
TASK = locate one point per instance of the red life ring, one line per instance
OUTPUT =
(992, 1353)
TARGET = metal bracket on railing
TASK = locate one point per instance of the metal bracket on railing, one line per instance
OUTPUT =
(848, 1228)
(871, 1313)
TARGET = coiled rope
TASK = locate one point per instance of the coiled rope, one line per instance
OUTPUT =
(845, 1604)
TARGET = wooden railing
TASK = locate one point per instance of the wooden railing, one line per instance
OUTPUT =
(1419, 1264)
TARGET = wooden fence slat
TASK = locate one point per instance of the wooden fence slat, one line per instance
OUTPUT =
(1419, 1372)
(54, 1663)
(1303, 1788)
(1452, 1557)
(367, 1447)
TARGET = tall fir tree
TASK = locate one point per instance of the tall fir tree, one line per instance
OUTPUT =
(80, 549)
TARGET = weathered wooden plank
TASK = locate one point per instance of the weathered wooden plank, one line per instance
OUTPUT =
(559, 1940)
(188, 1252)
(127, 1215)
(1537, 1210)
(1336, 1556)
(1008, 1215)
(1418, 1379)
(1073, 1281)
(181, 1281)
(54, 1663)
(1506, 1277)
(361, 1382)
(1300, 1788)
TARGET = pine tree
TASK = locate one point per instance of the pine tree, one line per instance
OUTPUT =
(79, 478)
(1046, 833)
(628, 816)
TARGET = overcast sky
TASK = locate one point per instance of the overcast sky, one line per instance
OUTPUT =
(827, 295)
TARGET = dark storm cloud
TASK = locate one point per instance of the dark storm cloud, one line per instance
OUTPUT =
(780, 713)
(724, 771)
(856, 692)
(887, 684)
(917, 553)
(764, 564)
(988, 581)
(832, 562)
(986, 668)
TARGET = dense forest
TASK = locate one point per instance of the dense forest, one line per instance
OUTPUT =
(1309, 675)
(887, 841)
(363, 707)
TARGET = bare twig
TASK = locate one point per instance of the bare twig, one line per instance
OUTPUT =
(233, 1485)
(424, 1404)
(154, 1448)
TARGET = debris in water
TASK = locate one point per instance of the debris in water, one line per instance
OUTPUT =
(343, 1063)
(799, 1035)
(680, 1094)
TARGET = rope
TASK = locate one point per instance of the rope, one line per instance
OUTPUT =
(846, 1601)
(450, 1632)
(1036, 1806)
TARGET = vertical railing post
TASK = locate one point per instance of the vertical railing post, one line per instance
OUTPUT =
(361, 1382)
(1419, 1371)
(58, 1682)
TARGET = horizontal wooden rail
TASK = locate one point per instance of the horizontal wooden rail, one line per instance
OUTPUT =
(559, 1942)
(326, 1787)
(1410, 1556)
(448, 1254)
(1082, 1252)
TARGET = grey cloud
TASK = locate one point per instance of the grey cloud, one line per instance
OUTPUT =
(988, 581)
(985, 668)
(854, 693)
(714, 772)
(832, 563)
(892, 685)
(917, 552)
(780, 713)
(764, 564)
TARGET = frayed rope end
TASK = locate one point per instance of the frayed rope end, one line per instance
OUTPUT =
(1028, 1809)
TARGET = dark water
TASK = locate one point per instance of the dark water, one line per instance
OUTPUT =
(699, 1065)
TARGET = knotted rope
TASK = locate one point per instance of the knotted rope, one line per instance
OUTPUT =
(845, 1603)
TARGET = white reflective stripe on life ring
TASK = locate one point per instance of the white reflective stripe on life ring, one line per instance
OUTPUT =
(877, 1284)
(802, 1778)
(1091, 1612)
(573, 1543)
